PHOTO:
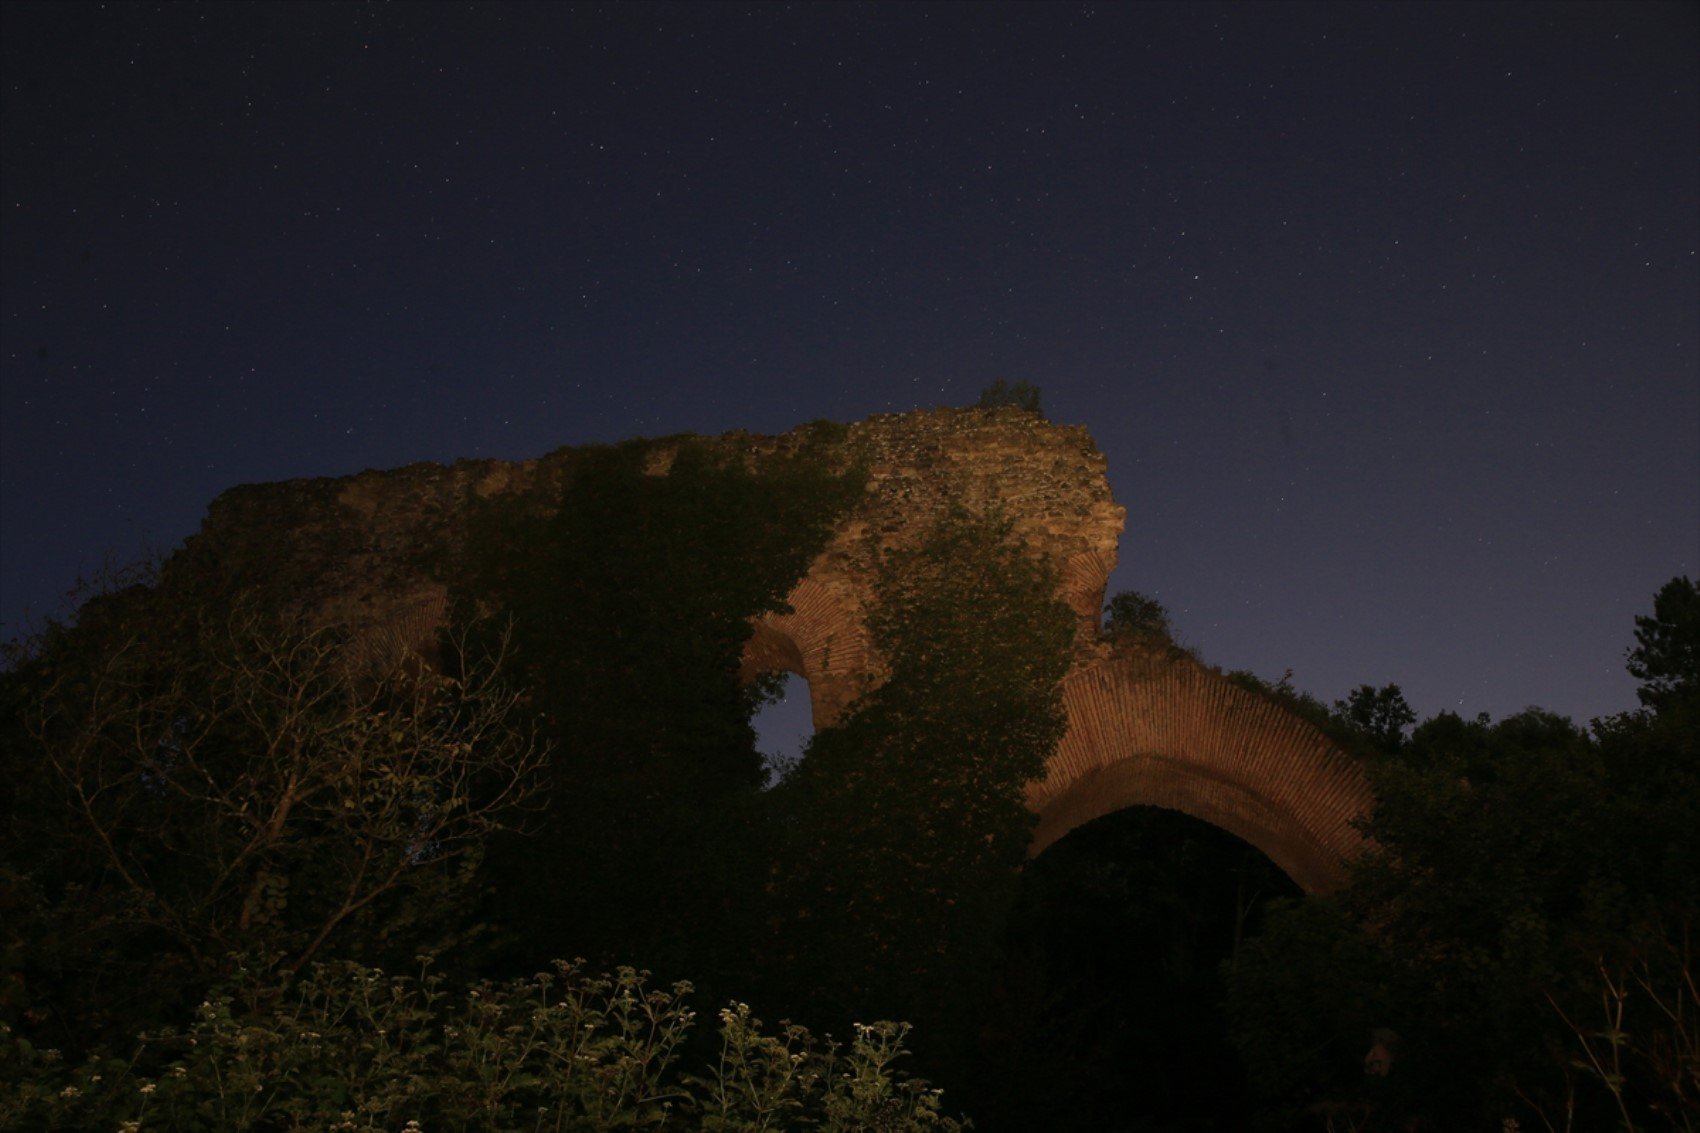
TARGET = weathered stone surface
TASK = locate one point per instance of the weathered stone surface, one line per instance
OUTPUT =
(1046, 480)
(1143, 729)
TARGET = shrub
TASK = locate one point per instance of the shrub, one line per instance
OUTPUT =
(346, 1047)
(1001, 394)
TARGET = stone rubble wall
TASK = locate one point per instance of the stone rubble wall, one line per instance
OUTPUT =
(369, 551)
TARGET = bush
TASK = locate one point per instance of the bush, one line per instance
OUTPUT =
(346, 1047)
(1001, 394)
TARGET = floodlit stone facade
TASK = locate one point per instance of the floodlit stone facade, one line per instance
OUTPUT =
(1147, 726)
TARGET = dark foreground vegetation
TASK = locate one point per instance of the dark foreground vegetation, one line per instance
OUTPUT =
(249, 883)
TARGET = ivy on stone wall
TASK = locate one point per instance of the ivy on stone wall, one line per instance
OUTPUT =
(904, 828)
(629, 589)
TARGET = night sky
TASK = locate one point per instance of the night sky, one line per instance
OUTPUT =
(1387, 317)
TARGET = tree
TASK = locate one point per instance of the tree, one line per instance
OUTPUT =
(1380, 715)
(1001, 394)
(1133, 616)
(1666, 657)
(1496, 855)
(1519, 871)
(200, 786)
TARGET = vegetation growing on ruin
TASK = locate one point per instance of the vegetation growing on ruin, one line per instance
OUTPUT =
(223, 826)
(902, 832)
(628, 592)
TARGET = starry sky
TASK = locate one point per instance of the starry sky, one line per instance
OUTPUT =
(1386, 316)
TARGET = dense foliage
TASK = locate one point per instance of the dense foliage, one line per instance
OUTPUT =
(1522, 926)
(902, 831)
(349, 1048)
(629, 594)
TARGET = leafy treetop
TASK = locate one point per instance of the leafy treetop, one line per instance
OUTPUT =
(1133, 615)
(1666, 657)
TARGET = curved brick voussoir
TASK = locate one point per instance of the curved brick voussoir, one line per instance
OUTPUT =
(404, 631)
(1160, 731)
(1084, 579)
(822, 639)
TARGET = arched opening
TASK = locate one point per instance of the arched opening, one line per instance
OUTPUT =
(1120, 953)
(783, 723)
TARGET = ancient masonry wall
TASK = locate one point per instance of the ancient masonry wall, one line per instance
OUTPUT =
(366, 550)
(1046, 480)
(1155, 729)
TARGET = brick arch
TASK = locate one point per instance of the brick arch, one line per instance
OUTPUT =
(1160, 731)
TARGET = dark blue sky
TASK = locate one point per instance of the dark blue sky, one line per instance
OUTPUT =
(1386, 316)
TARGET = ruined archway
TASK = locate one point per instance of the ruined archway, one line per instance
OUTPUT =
(1159, 729)
(1144, 729)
